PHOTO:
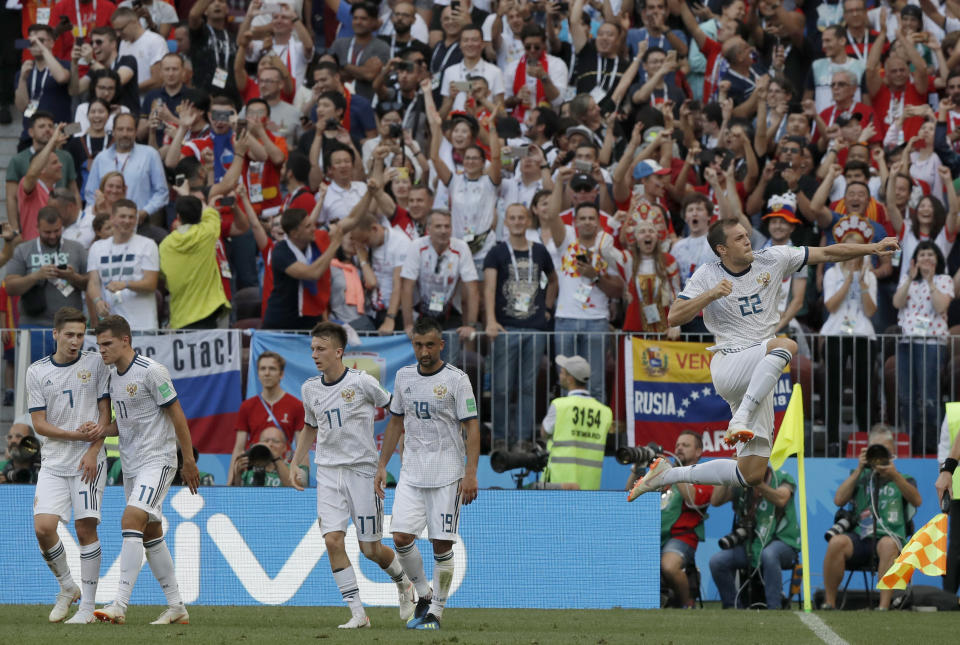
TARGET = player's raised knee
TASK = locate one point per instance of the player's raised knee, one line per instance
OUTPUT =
(783, 343)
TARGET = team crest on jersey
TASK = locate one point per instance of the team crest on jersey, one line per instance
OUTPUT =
(440, 390)
(654, 361)
(348, 394)
(764, 278)
(132, 389)
(84, 376)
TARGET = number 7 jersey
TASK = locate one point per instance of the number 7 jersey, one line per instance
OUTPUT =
(69, 393)
(749, 314)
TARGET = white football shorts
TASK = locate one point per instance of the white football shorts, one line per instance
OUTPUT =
(148, 488)
(59, 494)
(731, 373)
(437, 509)
(344, 494)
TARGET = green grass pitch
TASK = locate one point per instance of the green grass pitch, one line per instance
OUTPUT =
(27, 625)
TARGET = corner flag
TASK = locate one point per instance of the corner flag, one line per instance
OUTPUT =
(926, 550)
(790, 436)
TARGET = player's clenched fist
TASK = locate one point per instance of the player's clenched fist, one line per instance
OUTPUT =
(887, 246)
(722, 289)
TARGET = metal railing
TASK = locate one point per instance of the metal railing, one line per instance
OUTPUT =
(850, 383)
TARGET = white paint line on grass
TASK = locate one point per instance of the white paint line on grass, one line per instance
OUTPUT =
(815, 624)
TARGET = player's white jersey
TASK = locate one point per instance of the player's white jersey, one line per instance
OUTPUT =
(750, 313)
(69, 393)
(433, 407)
(343, 412)
(138, 395)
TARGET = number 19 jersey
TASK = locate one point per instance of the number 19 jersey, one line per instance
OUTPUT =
(343, 412)
(147, 436)
(749, 314)
(433, 406)
(69, 393)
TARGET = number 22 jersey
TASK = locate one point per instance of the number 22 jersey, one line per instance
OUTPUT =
(749, 314)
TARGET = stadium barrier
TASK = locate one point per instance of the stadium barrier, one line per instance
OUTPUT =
(550, 550)
(849, 383)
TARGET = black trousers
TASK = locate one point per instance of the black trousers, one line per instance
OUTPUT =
(951, 581)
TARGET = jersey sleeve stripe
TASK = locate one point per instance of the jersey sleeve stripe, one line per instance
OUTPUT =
(465, 419)
(806, 256)
(42, 407)
(169, 403)
(682, 297)
(396, 414)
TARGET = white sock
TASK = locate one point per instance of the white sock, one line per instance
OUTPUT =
(412, 564)
(395, 571)
(89, 574)
(131, 559)
(764, 379)
(346, 581)
(442, 579)
(719, 472)
(158, 555)
(56, 559)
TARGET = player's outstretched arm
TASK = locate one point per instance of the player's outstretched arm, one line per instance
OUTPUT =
(307, 436)
(842, 252)
(390, 438)
(683, 310)
(469, 486)
(188, 472)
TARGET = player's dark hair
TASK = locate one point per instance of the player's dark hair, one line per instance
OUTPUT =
(275, 356)
(696, 437)
(331, 331)
(66, 315)
(425, 325)
(717, 234)
(291, 219)
(116, 325)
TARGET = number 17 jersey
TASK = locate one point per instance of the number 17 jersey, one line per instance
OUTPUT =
(342, 412)
(749, 314)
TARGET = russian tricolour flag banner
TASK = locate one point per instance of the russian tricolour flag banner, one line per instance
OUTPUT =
(669, 390)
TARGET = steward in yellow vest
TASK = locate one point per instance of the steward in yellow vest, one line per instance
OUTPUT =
(576, 426)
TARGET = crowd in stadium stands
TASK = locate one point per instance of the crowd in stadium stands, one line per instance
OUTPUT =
(504, 165)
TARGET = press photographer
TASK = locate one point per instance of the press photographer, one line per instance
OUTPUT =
(681, 517)
(883, 501)
(765, 537)
(263, 463)
(23, 455)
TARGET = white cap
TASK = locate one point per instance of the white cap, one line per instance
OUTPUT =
(576, 366)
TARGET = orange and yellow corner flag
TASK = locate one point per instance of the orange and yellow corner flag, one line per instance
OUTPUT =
(926, 551)
(789, 439)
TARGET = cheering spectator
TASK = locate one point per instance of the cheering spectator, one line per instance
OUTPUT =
(212, 46)
(41, 83)
(363, 54)
(148, 47)
(102, 54)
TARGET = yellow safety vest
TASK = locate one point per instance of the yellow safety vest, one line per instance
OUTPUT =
(953, 425)
(579, 437)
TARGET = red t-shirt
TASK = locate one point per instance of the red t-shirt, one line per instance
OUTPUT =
(267, 253)
(64, 45)
(266, 174)
(29, 205)
(252, 417)
(300, 198)
(690, 518)
(909, 96)
(831, 114)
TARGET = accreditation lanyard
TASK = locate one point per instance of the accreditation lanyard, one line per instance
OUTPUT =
(513, 263)
(80, 26)
(269, 410)
(611, 77)
(861, 52)
(216, 48)
(39, 82)
(446, 56)
(350, 59)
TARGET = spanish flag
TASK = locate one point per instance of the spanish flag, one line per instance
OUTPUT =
(926, 551)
